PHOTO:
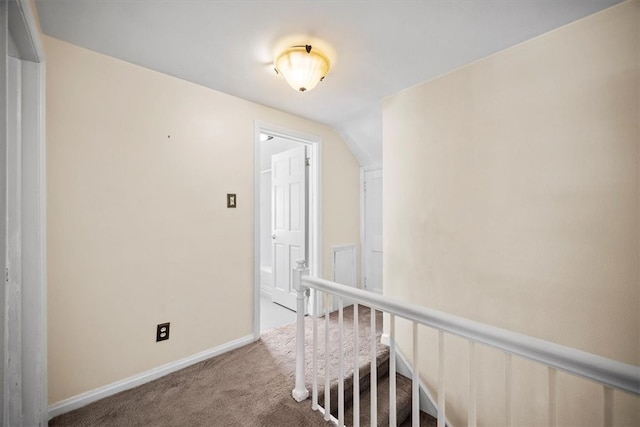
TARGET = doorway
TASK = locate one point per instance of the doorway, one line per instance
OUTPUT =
(287, 200)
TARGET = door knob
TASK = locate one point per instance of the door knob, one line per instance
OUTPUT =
(273, 236)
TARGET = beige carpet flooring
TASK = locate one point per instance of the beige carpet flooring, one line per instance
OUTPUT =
(250, 386)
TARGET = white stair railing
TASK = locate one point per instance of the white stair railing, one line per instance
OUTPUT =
(611, 374)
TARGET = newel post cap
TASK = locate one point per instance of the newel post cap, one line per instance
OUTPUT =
(298, 272)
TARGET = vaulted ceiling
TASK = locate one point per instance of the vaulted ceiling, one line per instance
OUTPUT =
(377, 47)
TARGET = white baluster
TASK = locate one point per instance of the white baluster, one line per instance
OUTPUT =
(608, 406)
(507, 390)
(392, 371)
(374, 380)
(553, 408)
(340, 363)
(415, 385)
(472, 384)
(442, 417)
(327, 390)
(300, 392)
(356, 368)
(314, 389)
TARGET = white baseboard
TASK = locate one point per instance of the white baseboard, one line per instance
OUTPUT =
(88, 397)
(266, 279)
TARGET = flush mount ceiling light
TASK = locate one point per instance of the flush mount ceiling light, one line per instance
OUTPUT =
(302, 67)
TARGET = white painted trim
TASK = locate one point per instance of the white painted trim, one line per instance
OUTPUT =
(27, 32)
(256, 233)
(34, 244)
(19, 19)
(14, 283)
(362, 260)
(266, 286)
(4, 244)
(42, 212)
(334, 251)
(339, 248)
(314, 256)
(86, 398)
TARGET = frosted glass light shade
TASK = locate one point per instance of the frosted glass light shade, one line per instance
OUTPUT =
(302, 67)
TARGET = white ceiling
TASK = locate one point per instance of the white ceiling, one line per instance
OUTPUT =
(377, 47)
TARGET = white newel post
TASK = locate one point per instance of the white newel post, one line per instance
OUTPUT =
(300, 393)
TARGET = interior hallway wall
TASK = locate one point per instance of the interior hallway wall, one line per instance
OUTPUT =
(512, 198)
(139, 164)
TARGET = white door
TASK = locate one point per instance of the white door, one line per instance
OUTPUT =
(372, 216)
(289, 220)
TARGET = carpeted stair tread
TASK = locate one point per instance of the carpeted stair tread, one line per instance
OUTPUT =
(426, 420)
(363, 351)
(403, 403)
(403, 385)
(382, 370)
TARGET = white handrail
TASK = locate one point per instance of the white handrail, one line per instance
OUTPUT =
(618, 375)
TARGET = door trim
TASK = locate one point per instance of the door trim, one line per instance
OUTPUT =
(18, 19)
(314, 257)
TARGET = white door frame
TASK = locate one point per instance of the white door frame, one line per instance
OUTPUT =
(363, 254)
(314, 224)
(24, 315)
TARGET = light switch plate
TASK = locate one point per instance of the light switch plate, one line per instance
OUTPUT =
(231, 200)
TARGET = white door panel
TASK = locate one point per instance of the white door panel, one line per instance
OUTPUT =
(289, 218)
(373, 230)
(344, 270)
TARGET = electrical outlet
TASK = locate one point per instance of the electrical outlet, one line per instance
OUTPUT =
(162, 332)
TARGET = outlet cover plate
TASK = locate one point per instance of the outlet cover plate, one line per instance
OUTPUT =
(162, 332)
(231, 200)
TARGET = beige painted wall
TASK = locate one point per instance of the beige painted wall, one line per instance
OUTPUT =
(139, 232)
(512, 198)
